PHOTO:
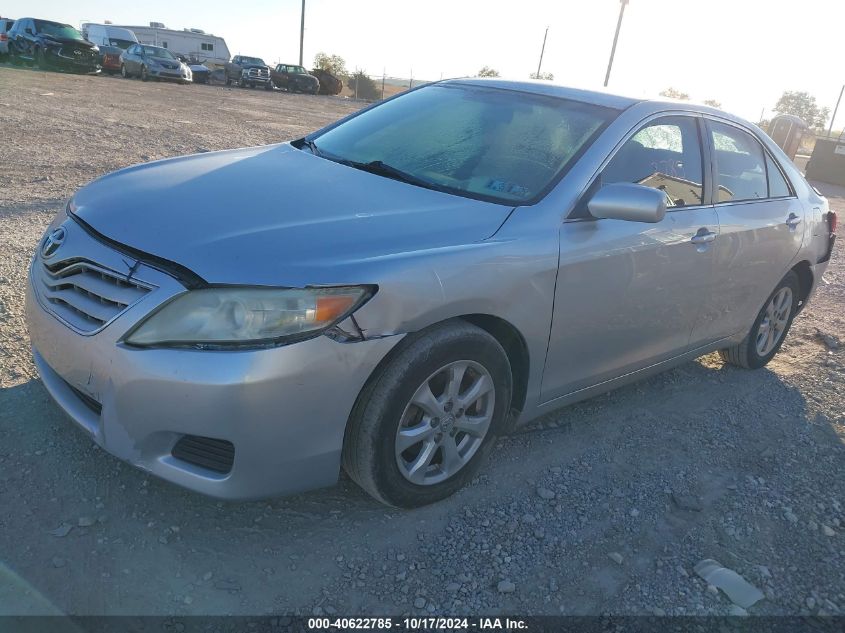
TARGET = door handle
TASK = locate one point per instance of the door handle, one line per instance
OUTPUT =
(703, 237)
(792, 221)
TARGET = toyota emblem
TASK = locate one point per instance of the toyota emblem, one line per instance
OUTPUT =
(52, 242)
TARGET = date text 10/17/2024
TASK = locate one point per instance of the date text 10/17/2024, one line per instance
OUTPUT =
(418, 624)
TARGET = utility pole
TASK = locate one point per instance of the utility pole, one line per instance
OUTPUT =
(302, 32)
(622, 4)
(835, 110)
(542, 50)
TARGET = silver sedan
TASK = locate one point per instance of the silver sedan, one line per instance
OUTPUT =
(444, 266)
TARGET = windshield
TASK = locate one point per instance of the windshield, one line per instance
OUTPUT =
(56, 29)
(124, 44)
(493, 144)
(161, 53)
(297, 70)
(253, 60)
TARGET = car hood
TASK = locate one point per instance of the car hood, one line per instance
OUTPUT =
(275, 215)
(247, 66)
(65, 41)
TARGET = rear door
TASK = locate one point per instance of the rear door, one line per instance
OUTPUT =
(761, 229)
(628, 294)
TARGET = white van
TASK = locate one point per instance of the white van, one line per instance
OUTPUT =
(109, 35)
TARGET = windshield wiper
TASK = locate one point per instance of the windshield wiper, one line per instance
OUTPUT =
(312, 146)
(381, 168)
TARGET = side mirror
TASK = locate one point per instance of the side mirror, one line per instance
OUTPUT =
(627, 201)
(28, 31)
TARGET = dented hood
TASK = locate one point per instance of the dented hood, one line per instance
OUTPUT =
(275, 215)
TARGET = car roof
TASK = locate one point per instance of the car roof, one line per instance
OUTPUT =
(597, 97)
(551, 89)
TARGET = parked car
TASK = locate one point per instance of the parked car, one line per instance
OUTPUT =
(5, 25)
(153, 62)
(112, 41)
(329, 84)
(47, 44)
(448, 263)
(248, 72)
(294, 79)
(200, 72)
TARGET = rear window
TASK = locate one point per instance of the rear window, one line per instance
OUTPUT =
(499, 145)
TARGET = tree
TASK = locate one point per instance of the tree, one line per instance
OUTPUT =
(488, 72)
(545, 76)
(333, 64)
(804, 106)
(364, 87)
(671, 93)
(712, 103)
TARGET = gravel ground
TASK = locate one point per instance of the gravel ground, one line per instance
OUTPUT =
(602, 507)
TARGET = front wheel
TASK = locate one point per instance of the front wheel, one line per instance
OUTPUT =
(144, 74)
(123, 72)
(425, 421)
(769, 329)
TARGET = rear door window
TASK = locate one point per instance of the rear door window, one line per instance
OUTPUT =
(664, 154)
(778, 187)
(740, 164)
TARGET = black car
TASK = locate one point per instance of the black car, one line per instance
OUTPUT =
(294, 79)
(49, 44)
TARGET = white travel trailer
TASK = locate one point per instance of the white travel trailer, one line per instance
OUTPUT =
(209, 49)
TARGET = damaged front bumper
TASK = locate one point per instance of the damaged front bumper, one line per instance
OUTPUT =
(230, 424)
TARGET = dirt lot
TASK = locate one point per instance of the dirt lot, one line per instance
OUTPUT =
(603, 507)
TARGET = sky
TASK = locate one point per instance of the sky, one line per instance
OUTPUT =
(742, 53)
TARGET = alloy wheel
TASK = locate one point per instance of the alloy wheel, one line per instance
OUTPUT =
(445, 422)
(774, 321)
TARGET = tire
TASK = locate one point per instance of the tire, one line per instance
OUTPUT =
(755, 351)
(371, 450)
(123, 72)
(228, 81)
(144, 74)
(13, 58)
(268, 85)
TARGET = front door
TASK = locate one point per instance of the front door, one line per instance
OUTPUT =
(629, 293)
(762, 227)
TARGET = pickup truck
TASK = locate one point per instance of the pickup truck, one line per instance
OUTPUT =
(294, 79)
(248, 71)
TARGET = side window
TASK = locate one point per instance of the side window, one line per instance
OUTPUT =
(665, 155)
(740, 163)
(777, 183)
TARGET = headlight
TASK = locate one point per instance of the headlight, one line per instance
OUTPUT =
(232, 316)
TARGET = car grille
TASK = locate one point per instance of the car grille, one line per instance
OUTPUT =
(258, 72)
(84, 295)
(206, 452)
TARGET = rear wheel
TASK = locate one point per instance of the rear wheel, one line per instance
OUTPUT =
(769, 329)
(425, 422)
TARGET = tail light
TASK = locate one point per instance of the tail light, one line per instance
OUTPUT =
(4, 37)
(832, 221)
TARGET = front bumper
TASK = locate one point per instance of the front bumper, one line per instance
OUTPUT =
(283, 409)
(166, 73)
(69, 60)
